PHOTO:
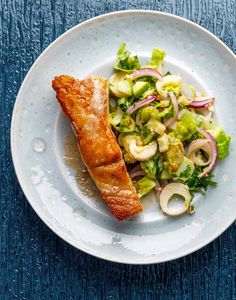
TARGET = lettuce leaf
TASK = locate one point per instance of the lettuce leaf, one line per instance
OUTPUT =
(157, 58)
(115, 118)
(223, 141)
(125, 62)
(186, 129)
(166, 113)
(144, 186)
(121, 121)
(127, 123)
(147, 135)
(153, 167)
(147, 112)
(172, 88)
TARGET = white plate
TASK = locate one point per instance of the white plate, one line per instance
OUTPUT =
(73, 208)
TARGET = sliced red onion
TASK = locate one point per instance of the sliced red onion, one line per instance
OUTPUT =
(145, 72)
(158, 189)
(201, 102)
(204, 98)
(196, 145)
(136, 174)
(163, 182)
(176, 110)
(136, 168)
(137, 105)
(214, 150)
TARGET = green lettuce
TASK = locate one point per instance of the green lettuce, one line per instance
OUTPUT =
(121, 121)
(147, 112)
(147, 135)
(223, 141)
(153, 167)
(186, 129)
(125, 62)
(144, 186)
(166, 113)
(127, 123)
(115, 118)
(172, 88)
(157, 58)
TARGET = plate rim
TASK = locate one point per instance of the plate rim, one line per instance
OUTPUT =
(17, 167)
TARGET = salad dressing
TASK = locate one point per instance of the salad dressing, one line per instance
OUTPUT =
(166, 128)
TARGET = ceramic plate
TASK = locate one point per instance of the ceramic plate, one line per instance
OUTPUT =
(47, 163)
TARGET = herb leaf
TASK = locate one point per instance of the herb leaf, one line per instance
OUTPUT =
(200, 184)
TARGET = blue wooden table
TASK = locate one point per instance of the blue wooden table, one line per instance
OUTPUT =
(34, 262)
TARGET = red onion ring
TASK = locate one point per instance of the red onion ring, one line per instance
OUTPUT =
(145, 72)
(137, 105)
(136, 174)
(204, 98)
(201, 102)
(214, 150)
(176, 110)
(198, 144)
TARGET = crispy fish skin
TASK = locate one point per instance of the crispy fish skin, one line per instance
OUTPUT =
(117, 189)
(85, 102)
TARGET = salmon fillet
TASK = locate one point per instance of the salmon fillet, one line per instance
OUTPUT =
(85, 102)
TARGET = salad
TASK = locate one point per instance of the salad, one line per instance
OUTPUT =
(170, 141)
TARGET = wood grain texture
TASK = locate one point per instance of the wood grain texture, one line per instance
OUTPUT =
(34, 262)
